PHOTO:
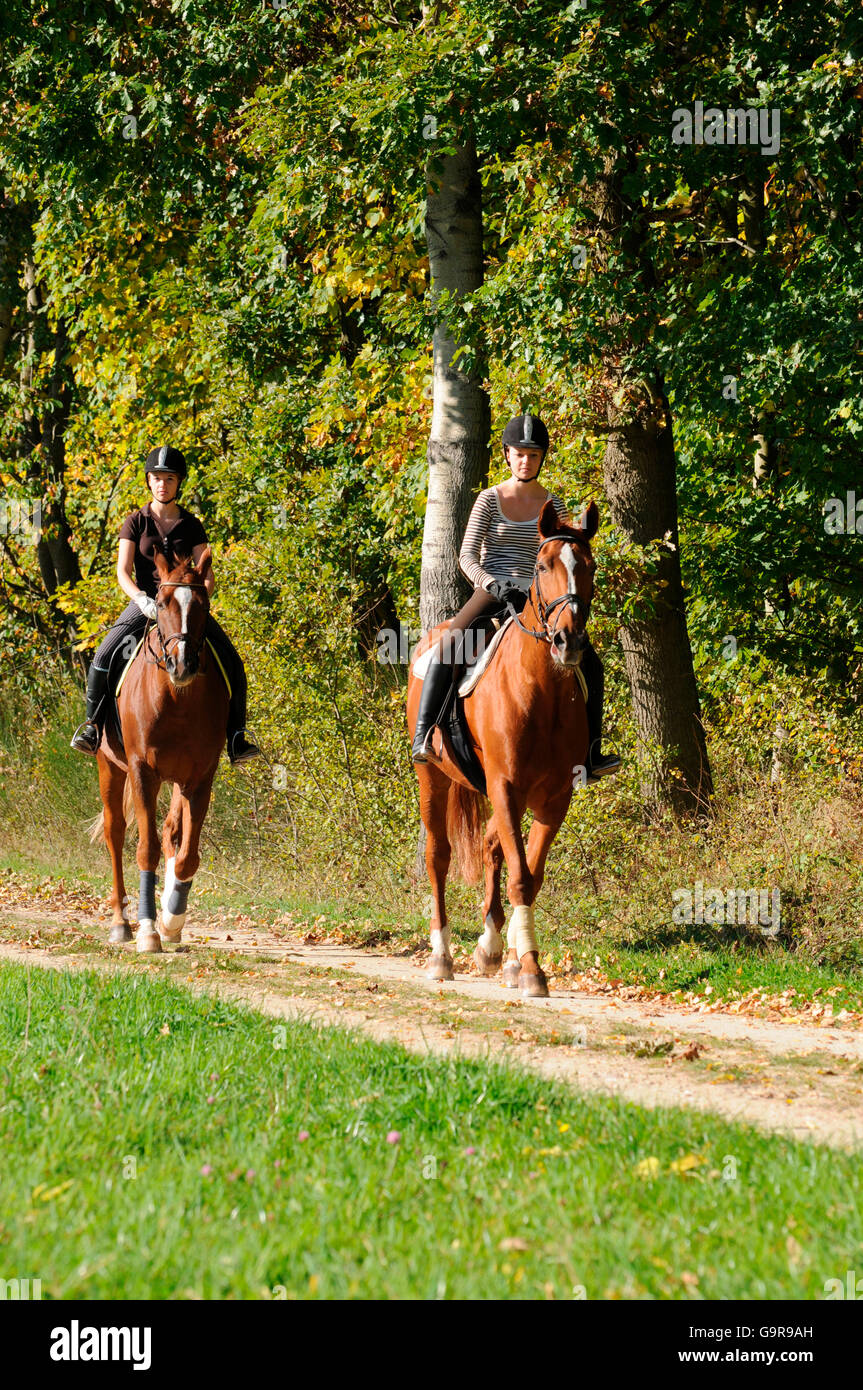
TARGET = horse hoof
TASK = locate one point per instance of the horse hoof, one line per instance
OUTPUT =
(533, 986)
(148, 943)
(121, 931)
(486, 965)
(439, 968)
(511, 974)
(171, 933)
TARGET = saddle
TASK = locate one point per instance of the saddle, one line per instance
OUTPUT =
(451, 720)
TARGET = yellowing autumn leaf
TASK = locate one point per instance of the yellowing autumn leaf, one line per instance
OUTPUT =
(647, 1168)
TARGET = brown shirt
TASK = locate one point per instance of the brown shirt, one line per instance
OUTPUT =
(175, 539)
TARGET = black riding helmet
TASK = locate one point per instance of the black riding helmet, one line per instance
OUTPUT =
(166, 460)
(526, 432)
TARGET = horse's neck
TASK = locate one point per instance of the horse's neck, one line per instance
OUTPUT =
(534, 657)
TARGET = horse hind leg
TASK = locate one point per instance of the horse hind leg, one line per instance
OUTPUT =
(434, 791)
(112, 783)
(488, 955)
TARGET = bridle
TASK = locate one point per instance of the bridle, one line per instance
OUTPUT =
(165, 642)
(544, 610)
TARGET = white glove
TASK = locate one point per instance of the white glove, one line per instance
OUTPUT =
(146, 604)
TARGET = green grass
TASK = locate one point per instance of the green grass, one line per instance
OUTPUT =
(157, 1153)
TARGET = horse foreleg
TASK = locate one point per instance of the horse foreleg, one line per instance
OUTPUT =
(522, 967)
(112, 781)
(145, 791)
(181, 869)
(522, 960)
(172, 901)
(434, 792)
(488, 955)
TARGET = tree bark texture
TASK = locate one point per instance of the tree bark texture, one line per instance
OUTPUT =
(461, 419)
(640, 482)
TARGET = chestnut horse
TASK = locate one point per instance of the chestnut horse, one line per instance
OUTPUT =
(173, 708)
(528, 723)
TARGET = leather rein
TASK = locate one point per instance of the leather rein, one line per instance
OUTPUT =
(165, 642)
(544, 610)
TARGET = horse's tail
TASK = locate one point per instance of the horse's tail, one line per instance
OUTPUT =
(466, 814)
(97, 827)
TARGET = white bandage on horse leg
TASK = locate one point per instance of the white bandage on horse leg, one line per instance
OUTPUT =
(491, 940)
(175, 897)
(521, 925)
(440, 941)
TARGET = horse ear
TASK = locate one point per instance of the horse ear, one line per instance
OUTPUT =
(588, 522)
(549, 521)
(205, 563)
(163, 569)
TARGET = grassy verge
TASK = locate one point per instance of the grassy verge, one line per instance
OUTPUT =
(168, 1146)
(605, 912)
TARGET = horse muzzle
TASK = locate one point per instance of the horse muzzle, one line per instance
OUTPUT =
(567, 648)
(182, 666)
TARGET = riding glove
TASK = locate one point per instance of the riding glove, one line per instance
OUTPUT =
(146, 604)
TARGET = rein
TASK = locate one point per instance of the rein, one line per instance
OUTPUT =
(544, 610)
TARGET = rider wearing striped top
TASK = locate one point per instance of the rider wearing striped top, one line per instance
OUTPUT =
(496, 546)
(498, 556)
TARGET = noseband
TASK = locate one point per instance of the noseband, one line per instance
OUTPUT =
(165, 642)
(544, 610)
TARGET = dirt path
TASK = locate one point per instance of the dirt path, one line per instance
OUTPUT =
(795, 1078)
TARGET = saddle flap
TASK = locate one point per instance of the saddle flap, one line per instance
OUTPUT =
(470, 681)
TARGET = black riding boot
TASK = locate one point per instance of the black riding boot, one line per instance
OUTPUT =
(88, 735)
(598, 764)
(240, 750)
(436, 684)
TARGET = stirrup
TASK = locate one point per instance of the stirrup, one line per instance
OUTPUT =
(86, 742)
(426, 747)
(245, 751)
(603, 765)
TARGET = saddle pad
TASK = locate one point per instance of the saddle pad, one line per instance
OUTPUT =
(125, 671)
(470, 680)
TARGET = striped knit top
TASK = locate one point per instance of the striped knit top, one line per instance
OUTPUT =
(495, 547)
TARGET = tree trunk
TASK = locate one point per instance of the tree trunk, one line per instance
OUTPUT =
(639, 476)
(461, 420)
(641, 485)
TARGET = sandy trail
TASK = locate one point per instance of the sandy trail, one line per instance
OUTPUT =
(800, 1079)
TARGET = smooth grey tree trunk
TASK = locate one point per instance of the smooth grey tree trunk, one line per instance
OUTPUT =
(461, 420)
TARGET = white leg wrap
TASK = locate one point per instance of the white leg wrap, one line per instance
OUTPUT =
(521, 927)
(491, 940)
(174, 896)
(440, 941)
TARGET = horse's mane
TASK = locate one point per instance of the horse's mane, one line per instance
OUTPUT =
(185, 565)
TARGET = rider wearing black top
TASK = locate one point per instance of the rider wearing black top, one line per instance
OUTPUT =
(165, 527)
